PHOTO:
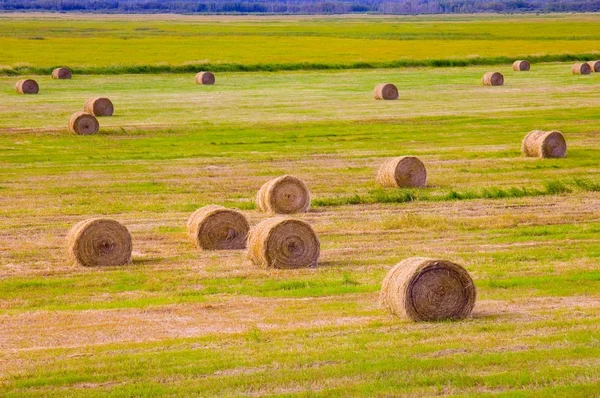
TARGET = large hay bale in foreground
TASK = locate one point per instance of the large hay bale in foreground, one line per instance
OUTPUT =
(283, 243)
(99, 106)
(83, 123)
(204, 78)
(61, 73)
(521, 65)
(217, 228)
(493, 79)
(581, 69)
(544, 144)
(425, 289)
(404, 171)
(385, 91)
(284, 195)
(27, 86)
(594, 66)
(99, 242)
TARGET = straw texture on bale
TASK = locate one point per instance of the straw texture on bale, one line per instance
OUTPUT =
(83, 124)
(217, 228)
(205, 78)
(521, 65)
(581, 69)
(425, 289)
(385, 91)
(284, 195)
(404, 171)
(99, 106)
(594, 66)
(99, 242)
(27, 86)
(283, 243)
(61, 73)
(544, 144)
(493, 79)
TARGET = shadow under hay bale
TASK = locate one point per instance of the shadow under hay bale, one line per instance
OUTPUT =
(82, 123)
(581, 69)
(99, 242)
(403, 172)
(62, 73)
(493, 79)
(217, 228)
(99, 106)
(284, 195)
(544, 144)
(385, 91)
(205, 78)
(521, 65)
(27, 86)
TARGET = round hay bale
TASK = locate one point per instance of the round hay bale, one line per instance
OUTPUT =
(404, 171)
(594, 66)
(385, 91)
(61, 73)
(27, 86)
(83, 124)
(283, 243)
(425, 289)
(544, 144)
(581, 69)
(205, 78)
(218, 228)
(99, 242)
(521, 65)
(284, 195)
(493, 79)
(99, 106)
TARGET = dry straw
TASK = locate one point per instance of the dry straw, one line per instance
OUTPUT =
(83, 124)
(99, 242)
(204, 78)
(283, 243)
(581, 69)
(521, 65)
(284, 195)
(217, 228)
(425, 289)
(493, 79)
(544, 144)
(99, 106)
(594, 66)
(385, 91)
(27, 86)
(404, 171)
(61, 73)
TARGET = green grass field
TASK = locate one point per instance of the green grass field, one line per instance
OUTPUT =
(180, 322)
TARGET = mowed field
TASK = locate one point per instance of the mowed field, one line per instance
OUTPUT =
(180, 322)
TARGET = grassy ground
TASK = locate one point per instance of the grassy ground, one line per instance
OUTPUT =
(183, 322)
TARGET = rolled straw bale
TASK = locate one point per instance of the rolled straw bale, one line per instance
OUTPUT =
(61, 73)
(284, 195)
(594, 66)
(581, 69)
(544, 144)
(83, 123)
(404, 171)
(99, 106)
(204, 78)
(493, 79)
(385, 91)
(217, 228)
(99, 242)
(425, 289)
(27, 86)
(521, 65)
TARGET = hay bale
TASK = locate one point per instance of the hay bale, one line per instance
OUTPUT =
(99, 242)
(544, 144)
(27, 86)
(218, 228)
(61, 73)
(521, 65)
(404, 171)
(581, 69)
(594, 66)
(83, 124)
(385, 91)
(99, 106)
(283, 243)
(205, 78)
(493, 79)
(284, 195)
(425, 289)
